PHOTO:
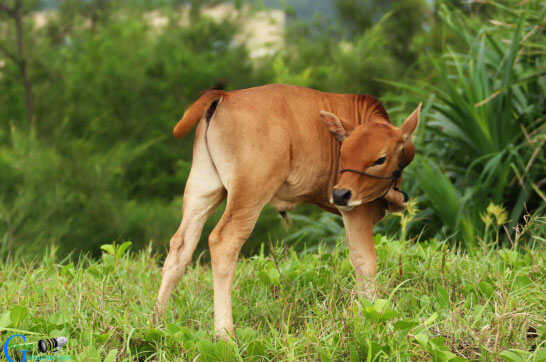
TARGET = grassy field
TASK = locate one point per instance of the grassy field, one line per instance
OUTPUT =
(435, 303)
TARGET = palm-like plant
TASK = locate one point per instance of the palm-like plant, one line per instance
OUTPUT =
(488, 108)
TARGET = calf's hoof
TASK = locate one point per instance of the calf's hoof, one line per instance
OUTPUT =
(224, 334)
(395, 201)
(157, 316)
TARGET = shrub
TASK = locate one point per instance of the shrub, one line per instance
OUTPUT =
(486, 117)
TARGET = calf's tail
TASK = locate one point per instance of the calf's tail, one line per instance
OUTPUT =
(206, 103)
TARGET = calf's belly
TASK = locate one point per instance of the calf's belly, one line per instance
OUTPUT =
(288, 196)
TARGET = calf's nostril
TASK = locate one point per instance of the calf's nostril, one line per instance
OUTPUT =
(341, 196)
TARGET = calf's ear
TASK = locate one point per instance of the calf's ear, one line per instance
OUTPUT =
(410, 124)
(335, 125)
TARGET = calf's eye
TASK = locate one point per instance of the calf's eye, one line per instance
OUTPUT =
(380, 161)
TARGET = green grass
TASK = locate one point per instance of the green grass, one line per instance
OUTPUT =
(434, 303)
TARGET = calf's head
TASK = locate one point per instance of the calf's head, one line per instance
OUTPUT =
(372, 157)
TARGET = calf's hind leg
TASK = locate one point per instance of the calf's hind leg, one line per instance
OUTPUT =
(203, 193)
(225, 243)
(183, 244)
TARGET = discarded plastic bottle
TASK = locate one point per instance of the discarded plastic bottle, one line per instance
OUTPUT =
(45, 345)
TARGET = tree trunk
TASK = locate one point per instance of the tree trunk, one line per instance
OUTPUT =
(18, 56)
(23, 64)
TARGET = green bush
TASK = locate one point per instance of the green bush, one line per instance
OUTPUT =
(74, 198)
(485, 122)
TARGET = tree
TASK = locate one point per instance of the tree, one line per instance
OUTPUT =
(19, 56)
(407, 19)
(96, 11)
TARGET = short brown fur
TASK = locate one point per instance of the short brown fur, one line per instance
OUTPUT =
(284, 145)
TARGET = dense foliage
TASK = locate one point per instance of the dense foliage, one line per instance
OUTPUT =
(488, 108)
(95, 161)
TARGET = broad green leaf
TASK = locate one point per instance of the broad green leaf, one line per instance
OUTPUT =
(514, 355)
(422, 339)
(5, 320)
(18, 314)
(111, 357)
(122, 248)
(109, 248)
(402, 325)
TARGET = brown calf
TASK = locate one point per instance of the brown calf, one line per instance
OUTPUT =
(285, 145)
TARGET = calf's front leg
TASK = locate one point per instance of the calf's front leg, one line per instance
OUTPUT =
(359, 224)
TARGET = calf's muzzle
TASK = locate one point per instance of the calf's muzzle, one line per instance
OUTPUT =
(341, 196)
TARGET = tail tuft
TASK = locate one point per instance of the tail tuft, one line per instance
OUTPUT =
(197, 111)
